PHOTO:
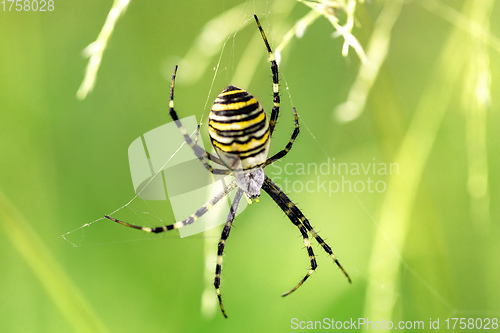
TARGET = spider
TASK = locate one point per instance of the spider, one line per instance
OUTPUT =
(240, 135)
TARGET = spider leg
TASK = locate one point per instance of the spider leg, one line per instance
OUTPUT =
(200, 150)
(276, 88)
(294, 213)
(320, 240)
(205, 208)
(222, 243)
(286, 205)
(201, 153)
(289, 145)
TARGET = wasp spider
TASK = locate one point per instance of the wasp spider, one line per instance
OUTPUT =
(240, 133)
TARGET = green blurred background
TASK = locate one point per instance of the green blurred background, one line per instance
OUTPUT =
(426, 247)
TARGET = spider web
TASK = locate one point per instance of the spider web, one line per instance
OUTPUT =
(207, 40)
(146, 213)
(227, 70)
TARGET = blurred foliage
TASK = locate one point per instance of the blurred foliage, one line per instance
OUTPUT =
(427, 247)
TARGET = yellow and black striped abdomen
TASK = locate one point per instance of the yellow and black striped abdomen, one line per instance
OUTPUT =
(239, 129)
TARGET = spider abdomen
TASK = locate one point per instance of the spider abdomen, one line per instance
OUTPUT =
(239, 129)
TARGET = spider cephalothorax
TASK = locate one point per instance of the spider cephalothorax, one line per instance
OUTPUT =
(240, 134)
(250, 182)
